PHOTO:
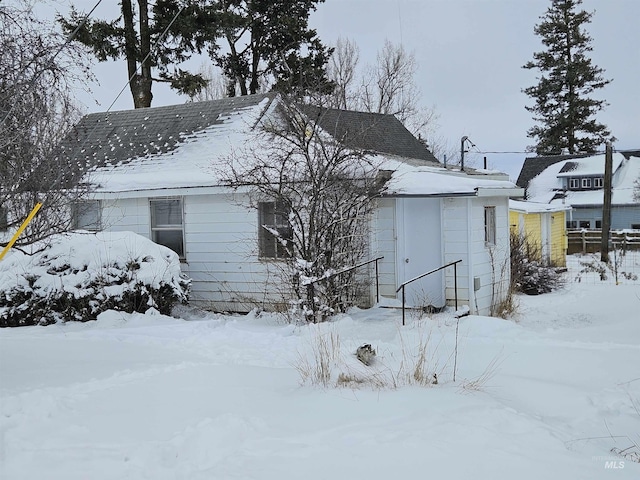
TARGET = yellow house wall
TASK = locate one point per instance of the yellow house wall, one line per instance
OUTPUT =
(533, 230)
(558, 239)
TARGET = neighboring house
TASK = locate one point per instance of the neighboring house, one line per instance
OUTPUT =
(543, 226)
(158, 174)
(578, 181)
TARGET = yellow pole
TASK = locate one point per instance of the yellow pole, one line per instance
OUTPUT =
(21, 229)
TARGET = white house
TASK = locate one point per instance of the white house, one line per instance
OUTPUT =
(157, 173)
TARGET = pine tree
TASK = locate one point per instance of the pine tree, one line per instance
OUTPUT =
(563, 105)
(154, 36)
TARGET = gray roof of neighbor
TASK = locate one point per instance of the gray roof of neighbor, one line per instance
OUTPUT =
(533, 166)
(374, 132)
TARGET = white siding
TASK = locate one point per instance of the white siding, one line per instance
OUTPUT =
(490, 263)
(221, 249)
(455, 246)
(384, 244)
(468, 245)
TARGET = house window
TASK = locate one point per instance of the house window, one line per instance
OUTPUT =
(274, 231)
(490, 225)
(585, 224)
(166, 223)
(86, 215)
(572, 224)
(598, 182)
(586, 183)
(4, 219)
(635, 226)
(574, 183)
(598, 223)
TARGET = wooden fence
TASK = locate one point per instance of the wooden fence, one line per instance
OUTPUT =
(588, 241)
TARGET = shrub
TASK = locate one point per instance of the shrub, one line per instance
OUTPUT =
(79, 275)
(529, 274)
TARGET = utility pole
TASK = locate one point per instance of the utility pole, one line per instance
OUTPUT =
(462, 140)
(463, 151)
(606, 206)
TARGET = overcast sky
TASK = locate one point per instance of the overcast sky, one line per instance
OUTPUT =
(469, 55)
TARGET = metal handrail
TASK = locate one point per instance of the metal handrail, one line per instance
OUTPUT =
(455, 283)
(348, 269)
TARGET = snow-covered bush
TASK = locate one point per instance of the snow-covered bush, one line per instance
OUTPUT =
(79, 275)
(528, 273)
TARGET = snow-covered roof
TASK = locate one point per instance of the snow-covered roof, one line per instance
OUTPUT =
(588, 166)
(547, 187)
(408, 180)
(534, 207)
(214, 131)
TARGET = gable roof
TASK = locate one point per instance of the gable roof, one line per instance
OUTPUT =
(534, 166)
(170, 149)
(111, 138)
(547, 186)
(374, 132)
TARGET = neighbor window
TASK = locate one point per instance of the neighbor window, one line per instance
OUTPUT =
(598, 223)
(574, 183)
(585, 224)
(635, 226)
(572, 224)
(86, 215)
(166, 223)
(586, 183)
(598, 182)
(490, 225)
(4, 219)
(274, 232)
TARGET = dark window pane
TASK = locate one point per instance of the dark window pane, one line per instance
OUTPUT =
(171, 239)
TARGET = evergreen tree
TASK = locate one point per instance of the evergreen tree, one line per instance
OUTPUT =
(270, 40)
(156, 36)
(563, 105)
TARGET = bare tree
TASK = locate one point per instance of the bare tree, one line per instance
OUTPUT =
(389, 87)
(342, 70)
(37, 111)
(319, 194)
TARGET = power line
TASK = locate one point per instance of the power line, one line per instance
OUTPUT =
(175, 17)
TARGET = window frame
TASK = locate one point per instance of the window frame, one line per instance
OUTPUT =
(586, 182)
(598, 182)
(574, 183)
(269, 248)
(572, 224)
(168, 227)
(490, 227)
(75, 215)
(582, 222)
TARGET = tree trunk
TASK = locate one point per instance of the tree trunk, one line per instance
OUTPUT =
(139, 83)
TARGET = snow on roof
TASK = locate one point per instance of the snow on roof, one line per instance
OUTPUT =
(588, 166)
(534, 207)
(191, 164)
(547, 186)
(411, 180)
(199, 160)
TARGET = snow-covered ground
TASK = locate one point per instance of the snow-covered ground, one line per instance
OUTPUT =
(546, 395)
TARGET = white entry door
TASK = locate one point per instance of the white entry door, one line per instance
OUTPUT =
(420, 250)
